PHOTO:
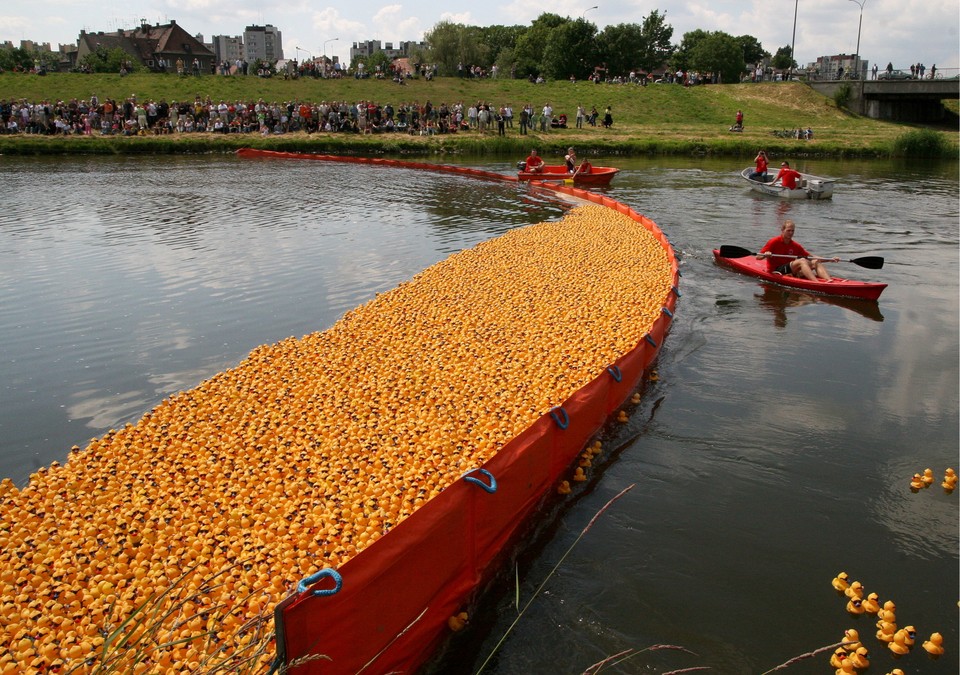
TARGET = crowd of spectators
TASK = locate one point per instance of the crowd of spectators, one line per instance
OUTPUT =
(133, 117)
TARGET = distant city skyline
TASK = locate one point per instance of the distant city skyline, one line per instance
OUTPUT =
(891, 31)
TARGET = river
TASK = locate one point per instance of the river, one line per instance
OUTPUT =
(774, 450)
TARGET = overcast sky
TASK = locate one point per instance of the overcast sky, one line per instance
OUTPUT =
(897, 31)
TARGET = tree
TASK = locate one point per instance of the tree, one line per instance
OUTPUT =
(621, 47)
(718, 53)
(15, 58)
(681, 56)
(532, 44)
(656, 34)
(753, 51)
(570, 51)
(104, 60)
(452, 44)
(783, 59)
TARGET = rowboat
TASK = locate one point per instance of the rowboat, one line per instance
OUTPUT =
(838, 286)
(809, 187)
(598, 175)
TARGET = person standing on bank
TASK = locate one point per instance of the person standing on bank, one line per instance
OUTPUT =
(785, 256)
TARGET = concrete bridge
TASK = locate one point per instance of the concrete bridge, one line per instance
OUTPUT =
(898, 100)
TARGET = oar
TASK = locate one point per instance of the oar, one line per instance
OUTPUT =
(873, 262)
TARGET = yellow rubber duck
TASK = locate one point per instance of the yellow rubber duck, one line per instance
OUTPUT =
(846, 668)
(949, 480)
(838, 657)
(855, 606)
(871, 604)
(579, 476)
(654, 376)
(635, 398)
(899, 643)
(927, 477)
(852, 639)
(854, 590)
(886, 632)
(564, 488)
(934, 646)
(911, 636)
(458, 622)
(622, 417)
(916, 483)
(840, 582)
(896, 671)
(860, 658)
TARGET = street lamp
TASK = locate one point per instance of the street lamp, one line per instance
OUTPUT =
(301, 49)
(582, 16)
(859, 26)
(325, 46)
(793, 42)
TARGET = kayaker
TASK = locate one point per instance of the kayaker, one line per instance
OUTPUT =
(784, 255)
(788, 177)
(760, 173)
(533, 163)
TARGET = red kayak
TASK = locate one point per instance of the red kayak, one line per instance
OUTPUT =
(844, 288)
(598, 175)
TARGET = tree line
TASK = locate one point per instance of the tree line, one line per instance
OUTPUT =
(556, 47)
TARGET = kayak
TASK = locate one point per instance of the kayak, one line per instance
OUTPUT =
(599, 175)
(839, 287)
(809, 186)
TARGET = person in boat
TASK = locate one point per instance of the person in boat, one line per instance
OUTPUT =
(533, 163)
(571, 160)
(584, 168)
(786, 256)
(760, 173)
(788, 177)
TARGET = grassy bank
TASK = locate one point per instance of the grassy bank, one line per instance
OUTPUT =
(657, 119)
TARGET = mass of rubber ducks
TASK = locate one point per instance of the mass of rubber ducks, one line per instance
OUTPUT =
(852, 655)
(926, 478)
(211, 508)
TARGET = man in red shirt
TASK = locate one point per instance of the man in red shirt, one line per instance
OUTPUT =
(534, 163)
(788, 177)
(786, 256)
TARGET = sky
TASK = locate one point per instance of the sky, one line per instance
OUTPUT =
(901, 32)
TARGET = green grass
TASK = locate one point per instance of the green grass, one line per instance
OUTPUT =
(657, 119)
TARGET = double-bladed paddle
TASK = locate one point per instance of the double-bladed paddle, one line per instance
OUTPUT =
(873, 262)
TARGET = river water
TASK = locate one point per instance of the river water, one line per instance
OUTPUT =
(774, 451)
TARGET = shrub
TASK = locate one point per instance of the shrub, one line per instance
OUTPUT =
(923, 143)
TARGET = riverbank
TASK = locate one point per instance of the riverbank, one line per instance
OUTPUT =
(651, 120)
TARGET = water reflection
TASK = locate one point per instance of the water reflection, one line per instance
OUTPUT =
(778, 300)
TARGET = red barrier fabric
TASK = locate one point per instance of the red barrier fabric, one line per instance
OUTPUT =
(392, 610)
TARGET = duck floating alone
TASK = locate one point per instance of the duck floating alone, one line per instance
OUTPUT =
(934, 646)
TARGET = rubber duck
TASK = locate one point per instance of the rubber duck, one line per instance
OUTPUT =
(564, 488)
(860, 658)
(622, 417)
(841, 582)
(911, 637)
(854, 590)
(927, 477)
(654, 376)
(851, 640)
(871, 604)
(899, 643)
(855, 606)
(949, 481)
(886, 632)
(846, 667)
(585, 460)
(916, 483)
(458, 622)
(838, 657)
(934, 646)
(579, 476)
(635, 399)
(896, 671)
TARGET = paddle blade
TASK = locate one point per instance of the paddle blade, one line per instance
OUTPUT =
(734, 252)
(871, 262)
